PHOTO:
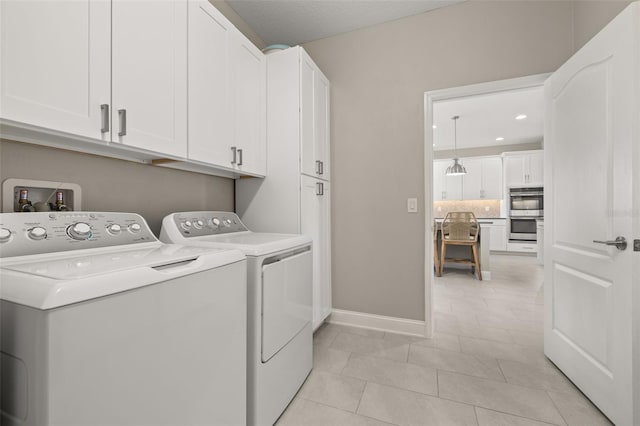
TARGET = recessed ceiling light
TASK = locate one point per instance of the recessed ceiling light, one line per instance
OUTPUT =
(521, 117)
(500, 138)
(434, 126)
(434, 144)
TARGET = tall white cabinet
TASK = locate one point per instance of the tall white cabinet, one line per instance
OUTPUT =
(295, 195)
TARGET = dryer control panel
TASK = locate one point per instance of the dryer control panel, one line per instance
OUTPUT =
(198, 224)
(23, 234)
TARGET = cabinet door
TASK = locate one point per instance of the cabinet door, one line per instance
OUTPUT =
(210, 118)
(149, 75)
(514, 170)
(307, 116)
(498, 240)
(472, 181)
(315, 222)
(535, 170)
(55, 64)
(453, 185)
(249, 104)
(322, 146)
(492, 178)
(439, 184)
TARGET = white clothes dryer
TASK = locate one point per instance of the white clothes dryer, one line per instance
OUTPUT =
(102, 324)
(280, 341)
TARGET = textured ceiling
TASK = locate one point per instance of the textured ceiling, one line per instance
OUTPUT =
(295, 22)
(486, 117)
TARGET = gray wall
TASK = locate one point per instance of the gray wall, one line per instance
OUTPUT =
(116, 185)
(378, 77)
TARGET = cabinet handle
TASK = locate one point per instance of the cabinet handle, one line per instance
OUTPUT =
(234, 150)
(322, 167)
(319, 188)
(122, 115)
(318, 165)
(240, 157)
(104, 112)
(444, 195)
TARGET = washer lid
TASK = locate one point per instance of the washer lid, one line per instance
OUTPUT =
(64, 279)
(251, 243)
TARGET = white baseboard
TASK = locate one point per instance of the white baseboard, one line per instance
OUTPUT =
(377, 322)
(486, 275)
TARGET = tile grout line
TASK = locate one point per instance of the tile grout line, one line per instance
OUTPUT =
(556, 407)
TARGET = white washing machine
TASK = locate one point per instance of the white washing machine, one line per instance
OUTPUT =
(279, 274)
(102, 324)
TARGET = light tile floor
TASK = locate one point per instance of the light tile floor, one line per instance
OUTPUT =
(484, 366)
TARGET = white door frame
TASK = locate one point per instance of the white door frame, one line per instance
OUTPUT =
(536, 80)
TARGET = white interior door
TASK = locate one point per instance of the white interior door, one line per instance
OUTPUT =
(591, 112)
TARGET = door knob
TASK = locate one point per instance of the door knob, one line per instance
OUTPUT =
(620, 243)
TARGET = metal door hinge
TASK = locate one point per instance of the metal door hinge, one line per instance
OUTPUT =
(636, 245)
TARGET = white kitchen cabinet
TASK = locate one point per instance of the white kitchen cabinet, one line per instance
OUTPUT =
(314, 94)
(316, 222)
(54, 71)
(498, 233)
(483, 180)
(149, 75)
(288, 199)
(523, 168)
(445, 187)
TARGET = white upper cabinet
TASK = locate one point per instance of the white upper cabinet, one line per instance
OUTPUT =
(55, 65)
(210, 117)
(314, 120)
(491, 178)
(445, 187)
(483, 180)
(525, 168)
(227, 93)
(149, 75)
(249, 104)
(472, 188)
(171, 79)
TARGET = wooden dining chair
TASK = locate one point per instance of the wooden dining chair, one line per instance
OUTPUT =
(460, 229)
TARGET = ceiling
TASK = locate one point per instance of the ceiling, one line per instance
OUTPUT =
(295, 22)
(484, 118)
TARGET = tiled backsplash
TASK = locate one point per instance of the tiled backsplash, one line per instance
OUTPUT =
(481, 208)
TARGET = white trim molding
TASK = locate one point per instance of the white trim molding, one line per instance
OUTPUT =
(377, 322)
(429, 99)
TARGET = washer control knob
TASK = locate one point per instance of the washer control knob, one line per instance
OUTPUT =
(5, 235)
(227, 222)
(114, 229)
(186, 225)
(79, 231)
(215, 222)
(134, 228)
(198, 224)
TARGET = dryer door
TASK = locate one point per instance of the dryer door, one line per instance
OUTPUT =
(286, 300)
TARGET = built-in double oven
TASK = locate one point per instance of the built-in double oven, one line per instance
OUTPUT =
(526, 206)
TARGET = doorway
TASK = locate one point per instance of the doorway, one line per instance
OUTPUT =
(450, 96)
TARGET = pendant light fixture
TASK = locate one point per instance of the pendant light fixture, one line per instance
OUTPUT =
(456, 169)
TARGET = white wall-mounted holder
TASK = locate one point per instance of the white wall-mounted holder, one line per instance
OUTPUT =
(39, 191)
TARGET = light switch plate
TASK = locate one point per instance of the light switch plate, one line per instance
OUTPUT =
(412, 205)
